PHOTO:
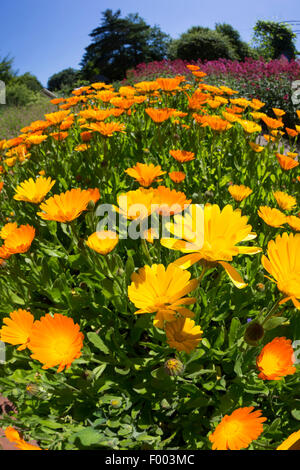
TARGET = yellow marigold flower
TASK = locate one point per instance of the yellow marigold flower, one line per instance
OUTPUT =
(17, 328)
(256, 104)
(272, 217)
(106, 129)
(250, 126)
(147, 87)
(257, 115)
(183, 335)
(171, 201)
(55, 341)
(36, 139)
(283, 264)
(81, 147)
(240, 102)
(228, 90)
(159, 115)
(138, 204)
(182, 155)
(291, 443)
(255, 147)
(7, 229)
(285, 162)
(285, 201)
(66, 206)
(19, 241)
(57, 118)
(230, 117)
(238, 430)
(239, 192)
(10, 161)
(103, 242)
(211, 235)
(294, 222)
(292, 154)
(160, 290)
(34, 191)
(177, 176)
(145, 174)
(276, 359)
(278, 112)
(13, 436)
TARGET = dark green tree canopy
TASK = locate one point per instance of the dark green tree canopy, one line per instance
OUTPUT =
(66, 78)
(274, 39)
(6, 71)
(242, 49)
(119, 44)
(202, 43)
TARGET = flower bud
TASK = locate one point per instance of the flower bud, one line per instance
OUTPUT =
(254, 333)
(173, 367)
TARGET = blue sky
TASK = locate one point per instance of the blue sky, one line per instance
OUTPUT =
(46, 36)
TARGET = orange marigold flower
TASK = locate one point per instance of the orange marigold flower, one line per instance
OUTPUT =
(255, 147)
(294, 222)
(19, 241)
(291, 443)
(238, 430)
(239, 192)
(86, 136)
(159, 115)
(13, 436)
(256, 104)
(36, 139)
(283, 264)
(138, 204)
(106, 129)
(291, 132)
(55, 341)
(183, 335)
(168, 84)
(192, 67)
(66, 206)
(171, 201)
(7, 229)
(145, 174)
(57, 118)
(272, 123)
(177, 176)
(285, 201)
(59, 136)
(160, 290)
(182, 155)
(4, 253)
(199, 74)
(276, 359)
(278, 112)
(214, 122)
(285, 162)
(240, 102)
(1, 185)
(147, 87)
(103, 242)
(34, 191)
(272, 217)
(17, 328)
(94, 194)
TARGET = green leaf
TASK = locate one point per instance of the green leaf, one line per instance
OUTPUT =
(274, 322)
(97, 342)
(296, 414)
(88, 436)
(233, 331)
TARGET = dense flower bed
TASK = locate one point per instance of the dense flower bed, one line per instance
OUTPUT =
(150, 271)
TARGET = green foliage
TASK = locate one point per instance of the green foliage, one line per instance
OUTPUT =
(274, 39)
(29, 80)
(202, 43)
(119, 44)
(64, 80)
(18, 94)
(242, 49)
(6, 71)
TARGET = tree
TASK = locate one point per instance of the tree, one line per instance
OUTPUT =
(119, 44)
(202, 43)
(242, 49)
(6, 71)
(29, 80)
(65, 79)
(274, 39)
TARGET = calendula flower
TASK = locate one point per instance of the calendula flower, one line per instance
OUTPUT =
(168, 84)
(272, 123)
(239, 192)
(81, 147)
(34, 191)
(138, 204)
(256, 104)
(4, 253)
(36, 139)
(13, 436)
(182, 155)
(285, 201)
(7, 229)
(278, 112)
(55, 341)
(66, 206)
(276, 359)
(103, 242)
(272, 217)
(283, 264)
(171, 201)
(211, 235)
(214, 122)
(1, 185)
(238, 430)
(285, 162)
(147, 87)
(294, 222)
(291, 132)
(94, 194)
(250, 126)
(240, 102)
(160, 290)
(17, 328)
(177, 176)
(145, 174)
(183, 335)
(57, 118)
(107, 129)
(159, 115)
(20, 239)
(291, 443)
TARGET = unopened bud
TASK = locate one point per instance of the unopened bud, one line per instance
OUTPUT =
(173, 367)
(254, 333)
